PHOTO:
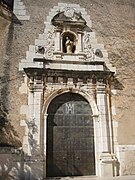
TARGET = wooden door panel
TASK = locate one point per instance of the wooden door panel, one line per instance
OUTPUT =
(70, 137)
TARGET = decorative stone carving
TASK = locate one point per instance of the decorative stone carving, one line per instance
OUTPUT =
(69, 12)
(69, 17)
(87, 47)
(33, 129)
(69, 45)
(49, 47)
(87, 39)
(98, 53)
(40, 49)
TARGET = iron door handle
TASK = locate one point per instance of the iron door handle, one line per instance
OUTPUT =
(64, 158)
(78, 158)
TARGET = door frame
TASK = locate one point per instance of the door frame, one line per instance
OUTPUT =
(92, 103)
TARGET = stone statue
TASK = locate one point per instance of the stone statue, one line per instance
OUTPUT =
(69, 45)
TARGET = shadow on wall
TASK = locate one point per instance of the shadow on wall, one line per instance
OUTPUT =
(12, 165)
(7, 3)
(117, 85)
(114, 81)
(8, 134)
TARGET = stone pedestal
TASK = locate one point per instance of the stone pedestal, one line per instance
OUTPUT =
(106, 165)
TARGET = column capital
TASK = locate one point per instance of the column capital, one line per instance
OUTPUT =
(57, 29)
(101, 88)
(45, 115)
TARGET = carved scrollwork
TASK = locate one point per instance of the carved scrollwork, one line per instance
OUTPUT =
(87, 47)
(69, 12)
(87, 39)
(40, 49)
(49, 48)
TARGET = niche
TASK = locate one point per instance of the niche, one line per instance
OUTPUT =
(71, 38)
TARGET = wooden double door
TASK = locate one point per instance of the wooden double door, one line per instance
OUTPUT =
(70, 137)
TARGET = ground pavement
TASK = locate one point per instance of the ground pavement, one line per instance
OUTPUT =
(132, 177)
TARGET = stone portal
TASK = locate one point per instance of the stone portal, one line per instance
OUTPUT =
(69, 125)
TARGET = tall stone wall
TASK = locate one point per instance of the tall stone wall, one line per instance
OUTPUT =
(113, 22)
(8, 133)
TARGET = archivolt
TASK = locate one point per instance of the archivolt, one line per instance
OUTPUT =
(83, 93)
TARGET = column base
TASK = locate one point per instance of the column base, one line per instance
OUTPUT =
(107, 165)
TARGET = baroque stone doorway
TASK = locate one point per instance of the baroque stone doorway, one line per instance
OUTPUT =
(70, 137)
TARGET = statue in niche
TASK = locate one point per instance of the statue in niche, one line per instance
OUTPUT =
(69, 45)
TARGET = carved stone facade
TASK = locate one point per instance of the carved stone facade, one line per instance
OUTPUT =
(51, 70)
(64, 95)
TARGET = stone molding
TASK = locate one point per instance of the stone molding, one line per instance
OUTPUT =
(51, 95)
(44, 47)
(20, 10)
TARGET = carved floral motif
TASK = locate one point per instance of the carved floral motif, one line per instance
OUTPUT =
(87, 47)
(69, 12)
(49, 48)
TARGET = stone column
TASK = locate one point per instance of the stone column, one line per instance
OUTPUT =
(38, 92)
(106, 159)
(44, 144)
(79, 45)
(57, 40)
(31, 100)
(34, 103)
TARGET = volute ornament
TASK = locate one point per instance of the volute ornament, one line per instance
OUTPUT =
(69, 12)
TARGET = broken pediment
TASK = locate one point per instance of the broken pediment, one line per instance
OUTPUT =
(67, 43)
(69, 18)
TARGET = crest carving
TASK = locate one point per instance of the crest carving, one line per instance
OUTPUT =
(69, 17)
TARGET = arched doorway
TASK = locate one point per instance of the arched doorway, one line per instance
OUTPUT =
(70, 137)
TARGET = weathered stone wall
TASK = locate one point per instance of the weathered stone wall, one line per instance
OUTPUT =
(113, 22)
(8, 134)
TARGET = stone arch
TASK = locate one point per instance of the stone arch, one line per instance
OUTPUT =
(84, 94)
(88, 97)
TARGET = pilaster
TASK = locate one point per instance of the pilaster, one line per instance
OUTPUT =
(80, 44)
(44, 144)
(106, 158)
(34, 103)
(57, 40)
